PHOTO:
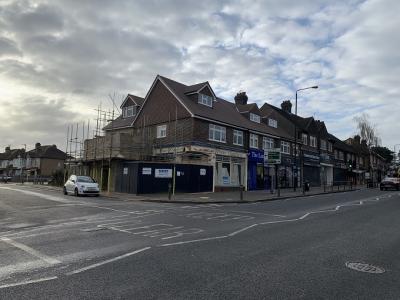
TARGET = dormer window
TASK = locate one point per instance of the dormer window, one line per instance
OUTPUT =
(128, 111)
(255, 118)
(273, 123)
(205, 100)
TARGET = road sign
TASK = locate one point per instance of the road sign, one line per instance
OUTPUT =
(273, 156)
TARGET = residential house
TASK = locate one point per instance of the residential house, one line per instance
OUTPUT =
(12, 162)
(44, 160)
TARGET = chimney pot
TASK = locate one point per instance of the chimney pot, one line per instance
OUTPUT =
(37, 145)
(287, 106)
(241, 98)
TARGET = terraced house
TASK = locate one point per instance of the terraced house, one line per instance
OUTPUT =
(212, 143)
(187, 136)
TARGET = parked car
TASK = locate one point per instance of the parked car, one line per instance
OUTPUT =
(81, 185)
(390, 183)
(5, 178)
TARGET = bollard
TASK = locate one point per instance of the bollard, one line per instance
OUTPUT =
(351, 185)
(324, 187)
(279, 188)
(241, 192)
(169, 191)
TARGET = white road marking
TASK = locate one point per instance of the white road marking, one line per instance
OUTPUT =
(256, 213)
(31, 251)
(107, 261)
(360, 202)
(194, 241)
(241, 230)
(44, 196)
(27, 282)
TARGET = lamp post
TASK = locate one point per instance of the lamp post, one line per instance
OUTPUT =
(396, 157)
(295, 137)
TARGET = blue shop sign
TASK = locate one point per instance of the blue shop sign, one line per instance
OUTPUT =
(256, 155)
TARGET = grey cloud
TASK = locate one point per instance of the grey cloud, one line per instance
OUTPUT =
(36, 119)
(24, 18)
(8, 47)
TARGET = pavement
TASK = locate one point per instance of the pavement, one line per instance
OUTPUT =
(220, 197)
(62, 247)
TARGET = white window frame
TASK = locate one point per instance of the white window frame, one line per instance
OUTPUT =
(323, 145)
(161, 131)
(285, 147)
(268, 143)
(238, 137)
(255, 118)
(205, 100)
(214, 131)
(128, 111)
(304, 139)
(253, 141)
(341, 155)
(273, 123)
(313, 141)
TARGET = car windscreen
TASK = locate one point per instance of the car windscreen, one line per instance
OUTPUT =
(85, 179)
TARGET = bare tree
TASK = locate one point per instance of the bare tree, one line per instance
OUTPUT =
(367, 130)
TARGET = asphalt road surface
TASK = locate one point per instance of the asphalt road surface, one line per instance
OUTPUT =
(61, 247)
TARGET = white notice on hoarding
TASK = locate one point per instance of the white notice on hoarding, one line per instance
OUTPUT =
(125, 171)
(202, 172)
(146, 171)
(163, 173)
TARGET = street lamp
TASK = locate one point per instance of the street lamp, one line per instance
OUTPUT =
(396, 157)
(295, 136)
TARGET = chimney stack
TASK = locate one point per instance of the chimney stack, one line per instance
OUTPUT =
(37, 146)
(8, 149)
(241, 98)
(287, 106)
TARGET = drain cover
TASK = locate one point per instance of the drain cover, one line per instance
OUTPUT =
(366, 268)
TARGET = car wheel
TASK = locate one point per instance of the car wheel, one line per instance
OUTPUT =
(76, 192)
(97, 195)
(65, 191)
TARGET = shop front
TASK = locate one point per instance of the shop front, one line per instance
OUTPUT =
(311, 168)
(326, 163)
(255, 170)
(286, 172)
(339, 173)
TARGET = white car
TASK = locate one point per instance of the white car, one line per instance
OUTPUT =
(81, 185)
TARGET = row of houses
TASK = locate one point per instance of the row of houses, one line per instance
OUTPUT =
(42, 161)
(187, 136)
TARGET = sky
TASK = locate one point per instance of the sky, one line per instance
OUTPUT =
(60, 59)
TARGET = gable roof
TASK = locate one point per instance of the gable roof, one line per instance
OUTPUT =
(136, 99)
(13, 153)
(222, 111)
(47, 151)
(339, 144)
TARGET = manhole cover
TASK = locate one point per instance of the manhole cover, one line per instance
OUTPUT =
(366, 268)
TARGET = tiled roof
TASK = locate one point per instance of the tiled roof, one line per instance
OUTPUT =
(13, 153)
(119, 123)
(137, 99)
(222, 111)
(47, 151)
(339, 144)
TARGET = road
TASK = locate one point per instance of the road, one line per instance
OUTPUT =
(61, 247)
